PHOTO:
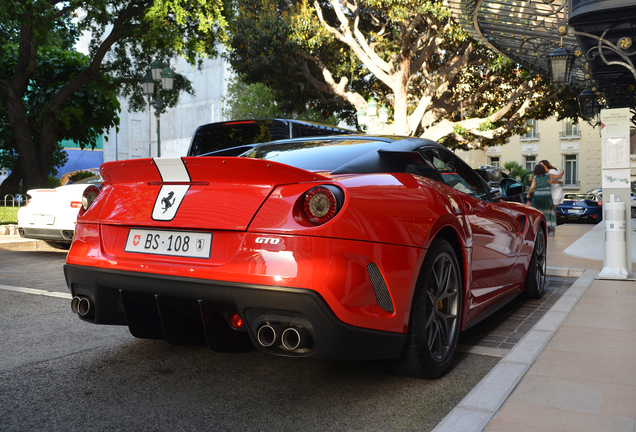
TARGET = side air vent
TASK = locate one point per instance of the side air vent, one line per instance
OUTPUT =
(382, 295)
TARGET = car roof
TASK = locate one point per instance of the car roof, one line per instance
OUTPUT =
(391, 154)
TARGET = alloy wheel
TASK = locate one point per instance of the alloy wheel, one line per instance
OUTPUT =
(442, 307)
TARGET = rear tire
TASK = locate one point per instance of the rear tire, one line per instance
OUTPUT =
(535, 278)
(435, 316)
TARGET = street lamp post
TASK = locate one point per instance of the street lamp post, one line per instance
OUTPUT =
(374, 120)
(159, 79)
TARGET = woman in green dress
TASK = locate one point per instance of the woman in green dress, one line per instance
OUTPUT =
(542, 198)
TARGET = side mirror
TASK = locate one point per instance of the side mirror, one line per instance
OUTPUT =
(510, 188)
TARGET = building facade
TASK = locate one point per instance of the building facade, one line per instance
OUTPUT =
(137, 135)
(575, 148)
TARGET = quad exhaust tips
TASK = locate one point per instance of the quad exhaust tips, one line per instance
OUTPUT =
(295, 338)
(269, 335)
(81, 306)
(291, 338)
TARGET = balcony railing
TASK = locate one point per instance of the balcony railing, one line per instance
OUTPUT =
(530, 137)
(570, 134)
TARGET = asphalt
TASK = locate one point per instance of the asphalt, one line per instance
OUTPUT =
(573, 371)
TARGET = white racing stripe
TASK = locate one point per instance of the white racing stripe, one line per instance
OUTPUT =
(170, 196)
(172, 169)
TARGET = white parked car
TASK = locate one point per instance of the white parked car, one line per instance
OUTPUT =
(51, 214)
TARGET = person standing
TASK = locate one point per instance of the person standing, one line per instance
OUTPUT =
(556, 185)
(542, 197)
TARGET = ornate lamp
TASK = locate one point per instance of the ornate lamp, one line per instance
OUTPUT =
(148, 84)
(373, 106)
(383, 114)
(560, 64)
(167, 79)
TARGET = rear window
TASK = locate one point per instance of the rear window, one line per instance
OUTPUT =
(319, 155)
(220, 136)
(580, 197)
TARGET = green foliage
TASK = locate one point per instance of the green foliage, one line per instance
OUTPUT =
(53, 182)
(459, 130)
(248, 101)
(85, 113)
(79, 176)
(284, 45)
(514, 170)
(56, 93)
(487, 125)
(264, 48)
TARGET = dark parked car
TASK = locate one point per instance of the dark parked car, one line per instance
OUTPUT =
(493, 175)
(218, 136)
(580, 207)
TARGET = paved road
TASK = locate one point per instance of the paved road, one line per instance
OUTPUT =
(41, 269)
(59, 373)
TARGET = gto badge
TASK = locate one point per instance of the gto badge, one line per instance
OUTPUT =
(267, 240)
(165, 201)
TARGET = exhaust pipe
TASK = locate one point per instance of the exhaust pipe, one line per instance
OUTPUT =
(75, 304)
(295, 338)
(269, 335)
(80, 305)
(84, 306)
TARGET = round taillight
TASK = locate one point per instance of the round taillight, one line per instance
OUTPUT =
(322, 203)
(600, 203)
(235, 321)
(89, 195)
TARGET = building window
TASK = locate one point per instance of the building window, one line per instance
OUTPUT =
(529, 162)
(494, 161)
(532, 130)
(571, 176)
(569, 129)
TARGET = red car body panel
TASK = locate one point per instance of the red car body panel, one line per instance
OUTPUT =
(260, 237)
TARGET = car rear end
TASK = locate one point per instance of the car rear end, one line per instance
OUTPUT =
(580, 208)
(238, 253)
(50, 214)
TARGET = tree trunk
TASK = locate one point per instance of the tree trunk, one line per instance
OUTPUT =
(11, 185)
(31, 171)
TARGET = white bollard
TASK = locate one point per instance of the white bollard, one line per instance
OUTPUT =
(615, 240)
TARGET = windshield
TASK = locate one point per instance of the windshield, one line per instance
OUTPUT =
(318, 155)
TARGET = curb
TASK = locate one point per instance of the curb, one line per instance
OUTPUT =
(565, 272)
(26, 244)
(480, 406)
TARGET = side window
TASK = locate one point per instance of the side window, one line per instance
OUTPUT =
(456, 174)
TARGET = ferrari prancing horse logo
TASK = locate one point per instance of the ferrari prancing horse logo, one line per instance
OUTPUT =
(165, 201)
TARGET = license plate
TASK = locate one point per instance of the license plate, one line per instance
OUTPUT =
(575, 211)
(172, 243)
(42, 219)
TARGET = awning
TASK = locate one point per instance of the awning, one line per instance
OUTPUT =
(81, 160)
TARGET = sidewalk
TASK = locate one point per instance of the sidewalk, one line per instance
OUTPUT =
(17, 243)
(575, 370)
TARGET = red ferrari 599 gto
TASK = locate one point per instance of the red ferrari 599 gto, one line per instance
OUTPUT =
(337, 247)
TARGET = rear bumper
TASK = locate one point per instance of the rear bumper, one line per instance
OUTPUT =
(47, 233)
(594, 218)
(195, 311)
